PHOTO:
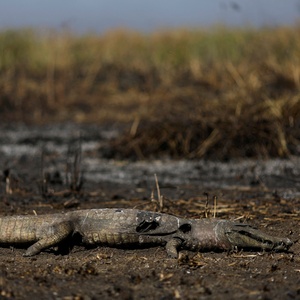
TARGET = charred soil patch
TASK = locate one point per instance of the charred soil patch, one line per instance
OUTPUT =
(248, 191)
(110, 273)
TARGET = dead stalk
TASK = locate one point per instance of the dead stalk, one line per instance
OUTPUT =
(134, 126)
(206, 205)
(152, 196)
(160, 198)
(8, 187)
(215, 206)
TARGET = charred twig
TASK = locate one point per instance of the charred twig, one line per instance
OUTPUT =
(74, 175)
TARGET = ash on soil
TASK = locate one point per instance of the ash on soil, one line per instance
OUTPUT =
(263, 193)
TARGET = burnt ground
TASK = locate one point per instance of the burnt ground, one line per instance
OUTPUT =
(263, 193)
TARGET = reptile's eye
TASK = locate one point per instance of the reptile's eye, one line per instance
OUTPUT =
(185, 228)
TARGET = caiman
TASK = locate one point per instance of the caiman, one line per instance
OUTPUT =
(125, 227)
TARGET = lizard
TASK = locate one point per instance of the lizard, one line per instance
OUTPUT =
(124, 227)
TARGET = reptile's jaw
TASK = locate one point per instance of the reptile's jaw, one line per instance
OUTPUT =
(245, 236)
(284, 245)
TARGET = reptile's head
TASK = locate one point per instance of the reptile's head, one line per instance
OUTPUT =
(224, 234)
(202, 234)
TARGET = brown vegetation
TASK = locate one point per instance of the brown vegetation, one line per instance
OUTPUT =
(187, 93)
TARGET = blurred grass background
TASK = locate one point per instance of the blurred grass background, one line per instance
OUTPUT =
(215, 93)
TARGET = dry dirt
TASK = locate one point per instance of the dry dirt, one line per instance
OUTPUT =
(258, 192)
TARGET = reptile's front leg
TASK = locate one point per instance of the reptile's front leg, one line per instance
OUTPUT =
(50, 236)
(172, 247)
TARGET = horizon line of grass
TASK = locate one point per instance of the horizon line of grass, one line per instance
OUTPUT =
(35, 50)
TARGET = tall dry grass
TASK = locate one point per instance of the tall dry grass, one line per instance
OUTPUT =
(193, 93)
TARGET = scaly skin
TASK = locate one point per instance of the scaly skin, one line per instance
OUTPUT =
(118, 227)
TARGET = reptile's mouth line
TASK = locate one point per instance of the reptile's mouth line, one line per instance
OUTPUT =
(254, 237)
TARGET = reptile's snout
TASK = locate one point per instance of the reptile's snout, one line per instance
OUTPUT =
(246, 236)
(284, 245)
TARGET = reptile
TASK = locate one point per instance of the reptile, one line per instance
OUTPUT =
(125, 227)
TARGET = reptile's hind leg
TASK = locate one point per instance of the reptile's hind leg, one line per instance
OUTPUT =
(50, 237)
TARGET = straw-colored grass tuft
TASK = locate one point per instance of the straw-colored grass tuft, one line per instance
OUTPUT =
(215, 93)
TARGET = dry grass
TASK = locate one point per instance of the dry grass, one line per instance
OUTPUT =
(187, 93)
